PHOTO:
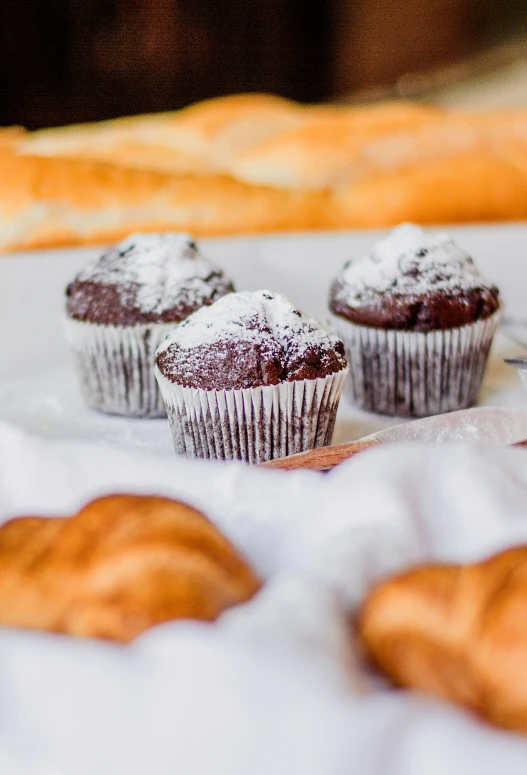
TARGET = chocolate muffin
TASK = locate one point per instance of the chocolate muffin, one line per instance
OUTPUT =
(250, 378)
(121, 306)
(417, 319)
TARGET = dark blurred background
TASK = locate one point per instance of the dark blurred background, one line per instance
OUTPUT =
(78, 60)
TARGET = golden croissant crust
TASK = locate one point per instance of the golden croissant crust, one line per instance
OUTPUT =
(119, 566)
(456, 631)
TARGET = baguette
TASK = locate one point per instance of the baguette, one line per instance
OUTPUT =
(325, 149)
(197, 140)
(255, 163)
(45, 202)
(472, 187)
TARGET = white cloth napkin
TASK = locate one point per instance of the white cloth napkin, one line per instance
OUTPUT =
(275, 686)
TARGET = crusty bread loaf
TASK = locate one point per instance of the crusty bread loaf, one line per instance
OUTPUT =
(54, 201)
(218, 128)
(325, 148)
(467, 188)
(447, 135)
(114, 143)
(197, 140)
(121, 565)
(258, 163)
(458, 168)
(456, 631)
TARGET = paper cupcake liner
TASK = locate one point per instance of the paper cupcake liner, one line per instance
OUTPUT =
(415, 374)
(252, 424)
(115, 366)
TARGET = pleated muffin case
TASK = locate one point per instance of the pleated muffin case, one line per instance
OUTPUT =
(416, 374)
(293, 368)
(121, 307)
(114, 366)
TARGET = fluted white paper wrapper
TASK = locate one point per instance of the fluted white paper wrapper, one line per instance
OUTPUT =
(415, 374)
(252, 424)
(115, 366)
(276, 685)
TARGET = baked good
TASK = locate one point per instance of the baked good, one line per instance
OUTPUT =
(456, 631)
(138, 142)
(473, 187)
(250, 378)
(326, 147)
(456, 167)
(121, 306)
(122, 564)
(54, 201)
(135, 143)
(198, 140)
(249, 163)
(413, 281)
(417, 320)
(219, 128)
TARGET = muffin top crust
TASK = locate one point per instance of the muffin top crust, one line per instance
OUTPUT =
(247, 340)
(146, 278)
(413, 280)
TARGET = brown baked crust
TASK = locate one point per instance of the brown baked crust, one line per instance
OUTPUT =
(138, 142)
(456, 631)
(219, 128)
(474, 187)
(104, 305)
(326, 147)
(197, 140)
(48, 202)
(446, 135)
(236, 365)
(438, 310)
(259, 338)
(122, 564)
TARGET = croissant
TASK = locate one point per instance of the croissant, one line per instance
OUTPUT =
(119, 566)
(458, 632)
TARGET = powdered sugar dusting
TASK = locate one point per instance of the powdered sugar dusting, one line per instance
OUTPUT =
(156, 272)
(408, 262)
(251, 317)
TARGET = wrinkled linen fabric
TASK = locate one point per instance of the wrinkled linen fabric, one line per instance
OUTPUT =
(276, 685)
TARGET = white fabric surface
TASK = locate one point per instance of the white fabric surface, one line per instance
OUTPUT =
(275, 686)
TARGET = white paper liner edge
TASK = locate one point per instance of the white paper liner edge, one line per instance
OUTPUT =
(415, 374)
(115, 366)
(253, 424)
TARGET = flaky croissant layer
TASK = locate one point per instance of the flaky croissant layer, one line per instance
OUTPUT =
(458, 632)
(122, 564)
